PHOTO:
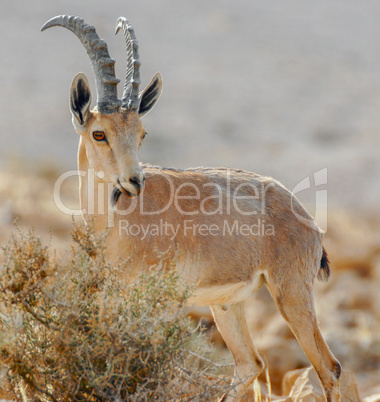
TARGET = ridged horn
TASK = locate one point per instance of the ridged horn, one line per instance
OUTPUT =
(130, 99)
(102, 64)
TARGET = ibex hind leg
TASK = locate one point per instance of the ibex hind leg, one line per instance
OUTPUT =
(294, 299)
(232, 324)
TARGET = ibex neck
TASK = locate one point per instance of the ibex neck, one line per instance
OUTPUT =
(92, 192)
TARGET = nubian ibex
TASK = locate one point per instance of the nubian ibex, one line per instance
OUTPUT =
(229, 231)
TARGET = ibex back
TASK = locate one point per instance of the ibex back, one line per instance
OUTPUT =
(229, 231)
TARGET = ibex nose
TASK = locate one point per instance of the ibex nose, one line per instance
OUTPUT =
(138, 182)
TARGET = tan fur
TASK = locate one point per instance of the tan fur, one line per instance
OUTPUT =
(226, 268)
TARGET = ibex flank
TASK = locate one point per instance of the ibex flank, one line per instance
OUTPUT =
(228, 231)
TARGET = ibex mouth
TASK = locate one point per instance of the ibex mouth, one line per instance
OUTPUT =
(118, 190)
(128, 193)
(116, 193)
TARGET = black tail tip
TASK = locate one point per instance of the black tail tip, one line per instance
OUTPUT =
(324, 270)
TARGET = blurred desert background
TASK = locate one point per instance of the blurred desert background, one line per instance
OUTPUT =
(283, 88)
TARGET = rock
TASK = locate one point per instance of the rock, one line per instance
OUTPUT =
(307, 388)
(289, 380)
(304, 385)
(372, 398)
(370, 387)
(350, 321)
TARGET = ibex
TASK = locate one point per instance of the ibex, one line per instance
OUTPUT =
(229, 231)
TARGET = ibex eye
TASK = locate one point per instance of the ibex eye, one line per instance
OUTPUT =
(99, 135)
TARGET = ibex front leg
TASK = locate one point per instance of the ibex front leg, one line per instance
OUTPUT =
(232, 325)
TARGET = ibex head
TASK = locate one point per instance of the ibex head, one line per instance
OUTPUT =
(112, 132)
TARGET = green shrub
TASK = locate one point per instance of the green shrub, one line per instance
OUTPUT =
(77, 331)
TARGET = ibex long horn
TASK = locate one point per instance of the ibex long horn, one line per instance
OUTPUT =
(102, 64)
(130, 99)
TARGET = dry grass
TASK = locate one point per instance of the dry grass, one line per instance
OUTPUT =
(75, 331)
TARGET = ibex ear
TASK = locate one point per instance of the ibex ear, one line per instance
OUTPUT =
(149, 96)
(80, 99)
